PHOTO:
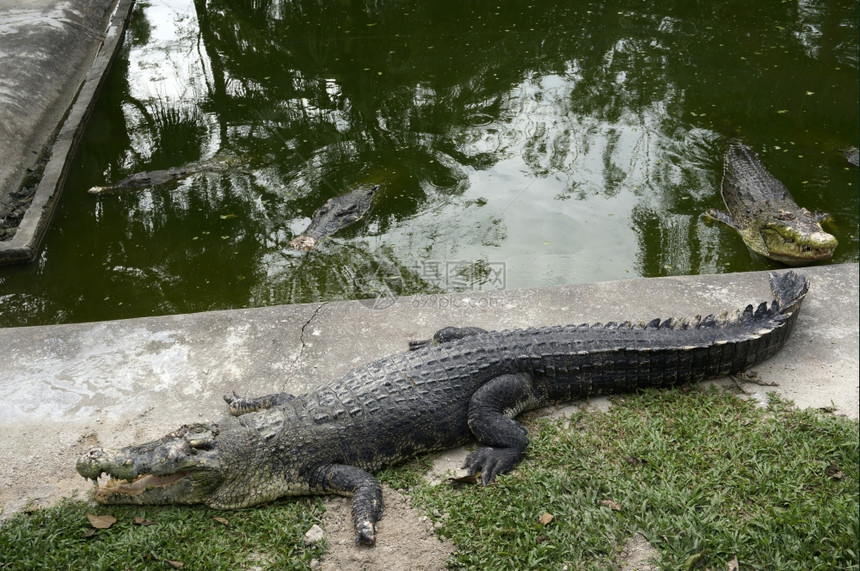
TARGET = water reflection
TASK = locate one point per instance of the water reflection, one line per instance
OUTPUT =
(565, 143)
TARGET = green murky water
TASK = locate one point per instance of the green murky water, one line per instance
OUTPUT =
(517, 143)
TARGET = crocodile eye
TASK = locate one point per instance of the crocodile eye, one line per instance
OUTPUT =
(201, 437)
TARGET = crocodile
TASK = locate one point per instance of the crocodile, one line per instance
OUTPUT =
(337, 213)
(765, 215)
(150, 179)
(464, 383)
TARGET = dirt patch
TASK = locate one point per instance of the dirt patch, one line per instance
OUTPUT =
(639, 555)
(404, 538)
(448, 464)
(38, 470)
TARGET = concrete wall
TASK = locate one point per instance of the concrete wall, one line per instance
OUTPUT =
(67, 388)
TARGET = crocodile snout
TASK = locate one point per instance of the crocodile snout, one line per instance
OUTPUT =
(90, 464)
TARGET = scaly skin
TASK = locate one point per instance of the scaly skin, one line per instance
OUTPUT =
(337, 213)
(765, 215)
(466, 383)
(151, 179)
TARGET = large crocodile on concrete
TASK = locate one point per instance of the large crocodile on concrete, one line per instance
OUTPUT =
(763, 212)
(155, 178)
(337, 213)
(464, 383)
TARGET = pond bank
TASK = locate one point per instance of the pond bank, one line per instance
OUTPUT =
(71, 387)
(56, 56)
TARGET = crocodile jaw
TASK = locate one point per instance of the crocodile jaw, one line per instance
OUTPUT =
(183, 468)
(149, 490)
(790, 246)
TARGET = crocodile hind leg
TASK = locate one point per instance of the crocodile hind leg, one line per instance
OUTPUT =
(367, 496)
(490, 418)
(239, 405)
(445, 335)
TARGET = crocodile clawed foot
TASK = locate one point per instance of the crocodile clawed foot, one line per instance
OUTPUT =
(420, 344)
(365, 534)
(234, 403)
(491, 462)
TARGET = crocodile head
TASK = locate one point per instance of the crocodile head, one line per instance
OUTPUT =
(796, 238)
(337, 213)
(184, 467)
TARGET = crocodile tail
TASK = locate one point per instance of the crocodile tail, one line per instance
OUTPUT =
(789, 289)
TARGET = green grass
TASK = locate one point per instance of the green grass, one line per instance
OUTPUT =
(174, 537)
(703, 475)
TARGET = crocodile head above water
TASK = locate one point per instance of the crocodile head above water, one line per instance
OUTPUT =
(337, 213)
(761, 209)
(796, 237)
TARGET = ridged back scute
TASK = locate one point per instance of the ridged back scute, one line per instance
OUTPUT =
(586, 358)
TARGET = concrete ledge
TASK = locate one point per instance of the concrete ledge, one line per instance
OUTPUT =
(61, 108)
(67, 388)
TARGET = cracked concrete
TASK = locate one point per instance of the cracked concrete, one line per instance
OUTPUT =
(302, 341)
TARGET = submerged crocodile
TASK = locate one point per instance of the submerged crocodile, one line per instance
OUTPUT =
(765, 215)
(337, 213)
(148, 179)
(464, 383)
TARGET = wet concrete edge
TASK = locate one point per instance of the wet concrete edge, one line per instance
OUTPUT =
(24, 245)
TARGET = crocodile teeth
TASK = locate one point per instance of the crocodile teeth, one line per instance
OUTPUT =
(141, 483)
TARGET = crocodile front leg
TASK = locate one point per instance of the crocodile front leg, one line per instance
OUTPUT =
(367, 496)
(490, 418)
(719, 216)
(445, 335)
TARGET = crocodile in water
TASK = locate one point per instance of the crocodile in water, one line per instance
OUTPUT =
(337, 213)
(150, 179)
(763, 212)
(464, 383)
